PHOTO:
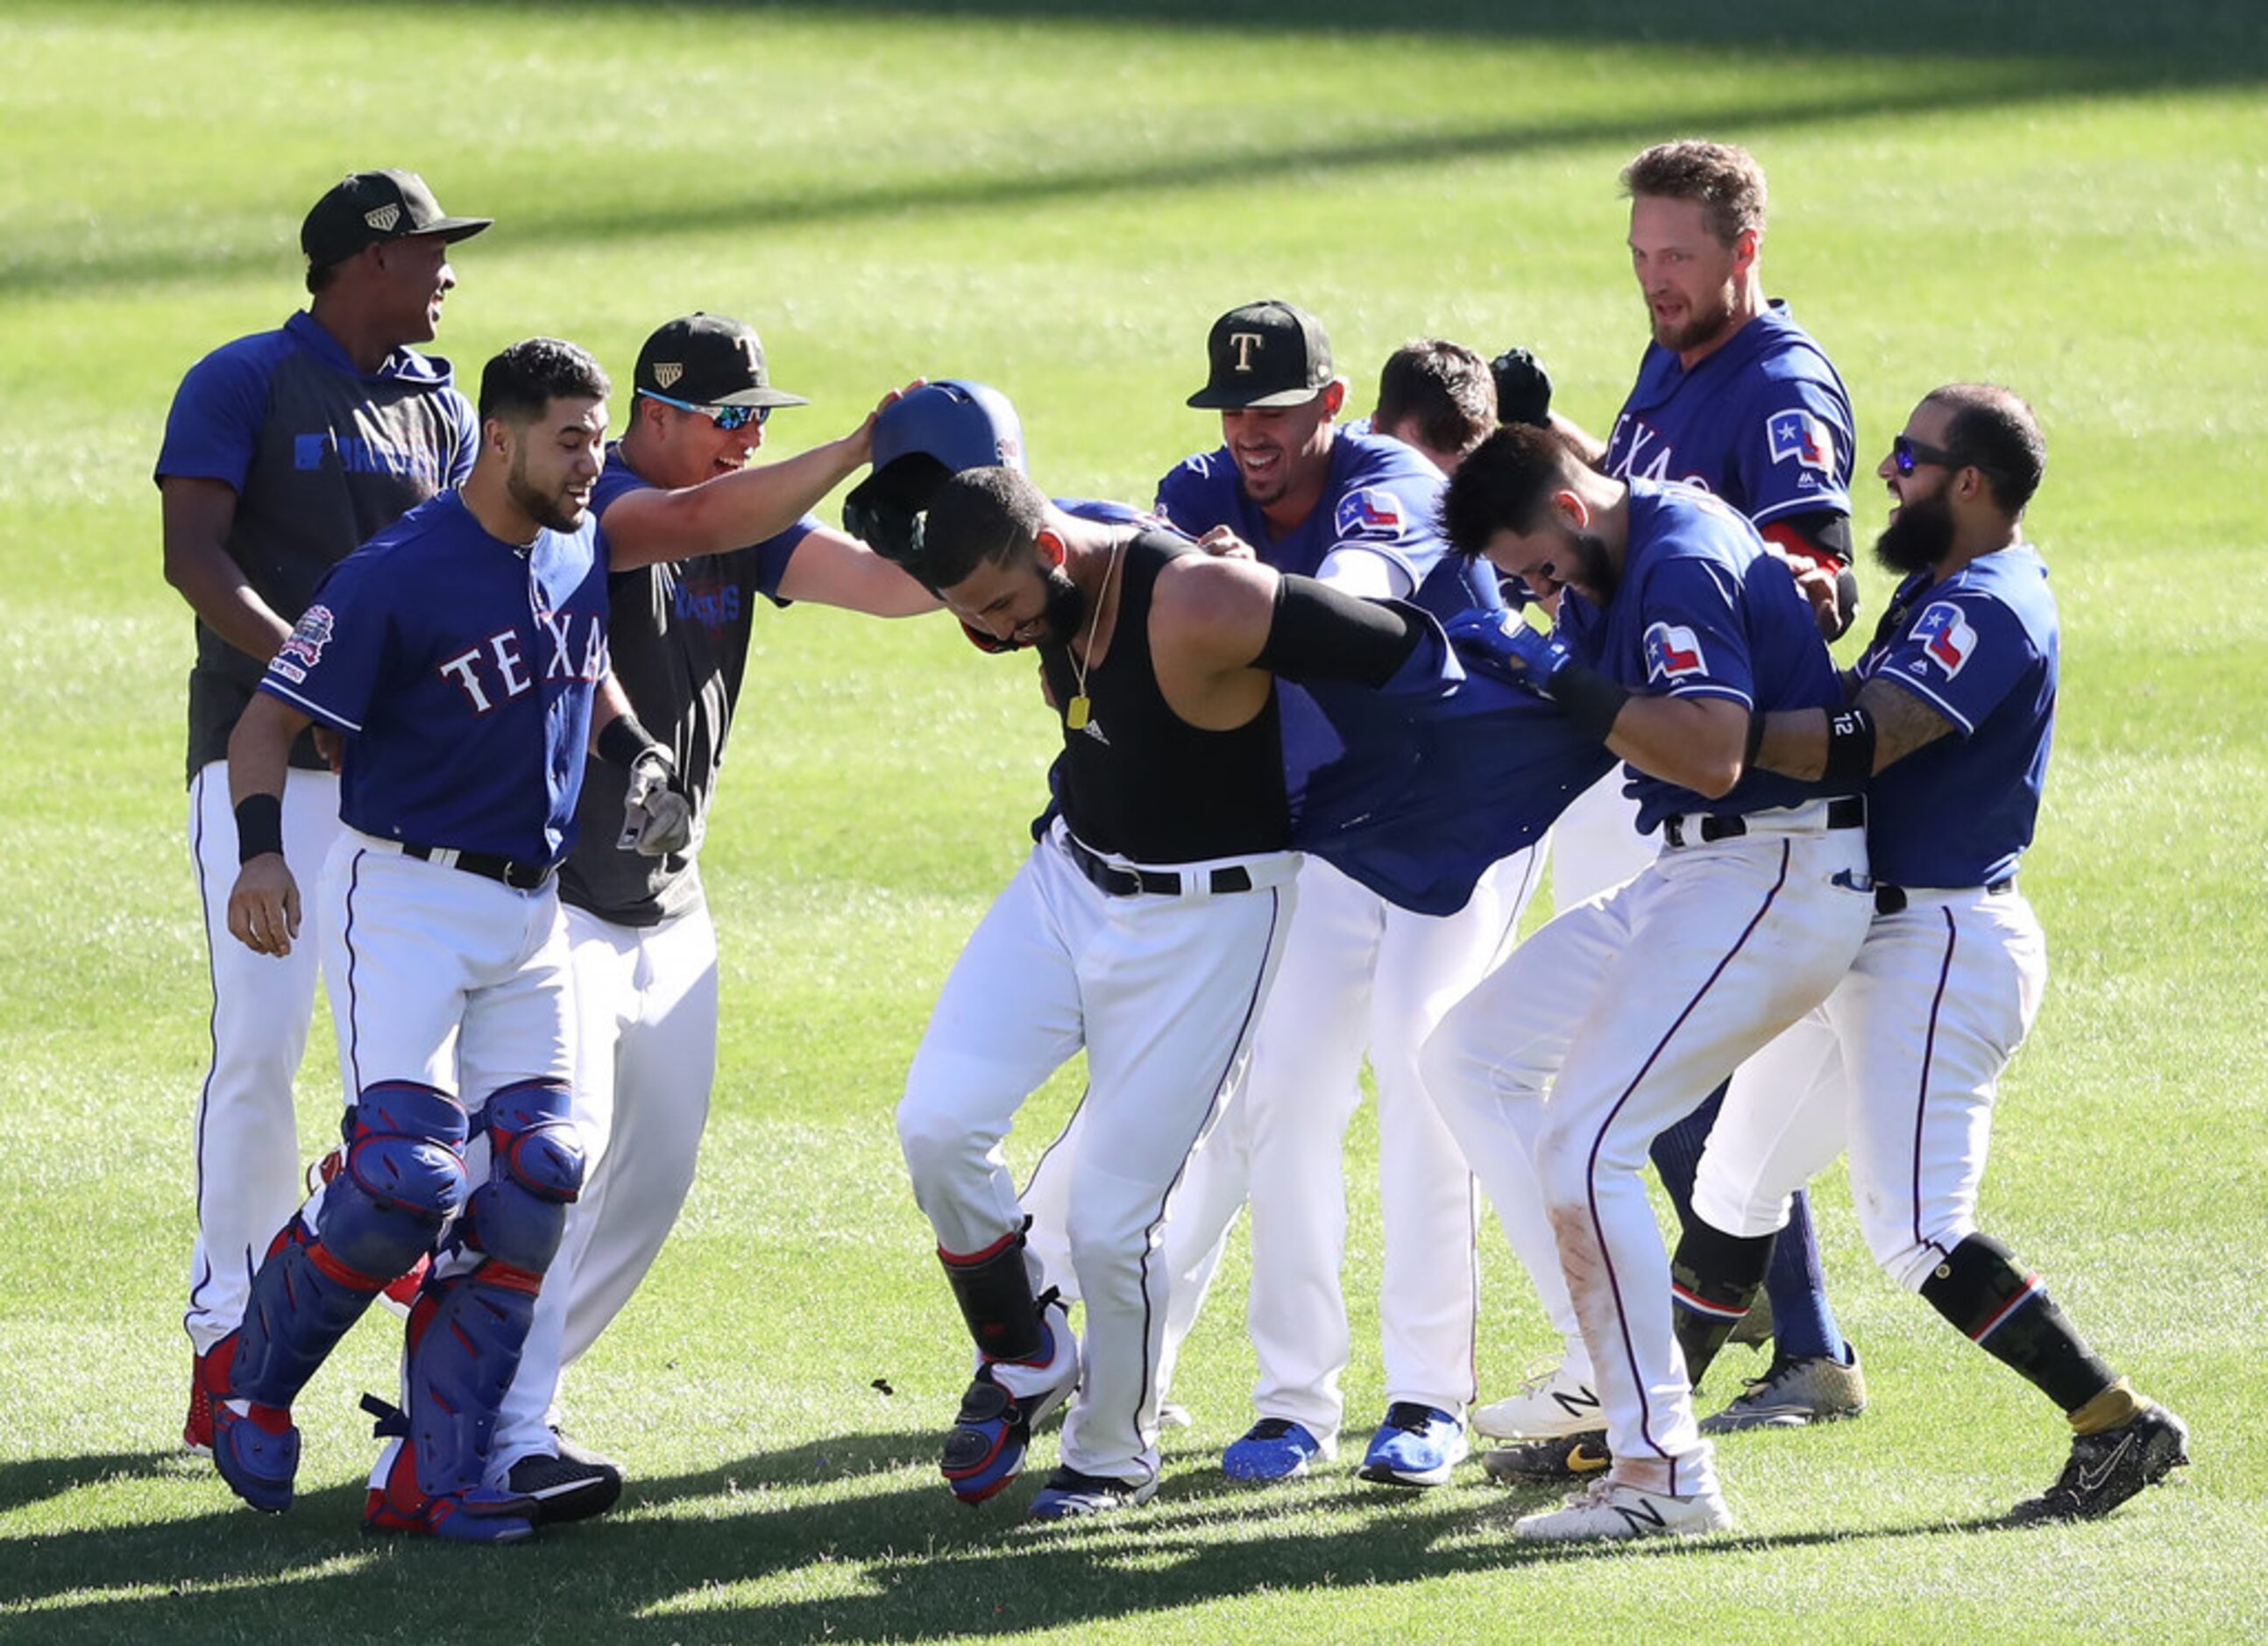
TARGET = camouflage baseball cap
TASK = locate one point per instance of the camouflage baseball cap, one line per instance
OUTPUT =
(368, 208)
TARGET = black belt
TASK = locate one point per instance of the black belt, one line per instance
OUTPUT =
(1892, 899)
(1849, 812)
(487, 865)
(1160, 883)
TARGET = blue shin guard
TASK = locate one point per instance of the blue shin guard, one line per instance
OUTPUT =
(404, 1176)
(466, 1329)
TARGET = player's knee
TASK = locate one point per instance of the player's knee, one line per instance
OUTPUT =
(404, 1178)
(933, 1129)
(535, 1169)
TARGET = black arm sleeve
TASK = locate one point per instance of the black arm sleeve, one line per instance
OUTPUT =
(1320, 634)
(1826, 535)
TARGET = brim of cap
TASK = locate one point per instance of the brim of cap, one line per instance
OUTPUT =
(1210, 399)
(757, 397)
(453, 229)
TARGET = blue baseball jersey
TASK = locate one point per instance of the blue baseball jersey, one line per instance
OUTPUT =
(1702, 610)
(1763, 423)
(322, 456)
(678, 642)
(461, 668)
(1981, 648)
(1381, 496)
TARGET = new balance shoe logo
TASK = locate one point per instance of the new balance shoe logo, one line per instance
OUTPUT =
(1577, 1404)
(1643, 1518)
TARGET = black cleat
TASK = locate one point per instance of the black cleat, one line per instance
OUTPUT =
(575, 1485)
(1554, 1462)
(2107, 1469)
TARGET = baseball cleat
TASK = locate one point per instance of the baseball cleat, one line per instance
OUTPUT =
(1550, 1462)
(1549, 1403)
(1071, 1495)
(1792, 1393)
(208, 1386)
(1273, 1449)
(993, 1429)
(256, 1448)
(574, 1484)
(2105, 1470)
(1417, 1445)
(1607, 1511)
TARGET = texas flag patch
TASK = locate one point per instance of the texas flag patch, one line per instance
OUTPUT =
(1946, 637)
(1796, 433)
(1373, 514)
(1673, 652)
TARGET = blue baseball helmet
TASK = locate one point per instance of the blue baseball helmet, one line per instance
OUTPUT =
(939, 429)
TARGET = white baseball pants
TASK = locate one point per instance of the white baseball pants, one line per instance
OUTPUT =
(246, 1142)
(1627, 1010)
(1164, 993)
(1900, 1065)
(645, 1061)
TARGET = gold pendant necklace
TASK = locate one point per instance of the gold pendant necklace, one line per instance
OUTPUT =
(1078, 711)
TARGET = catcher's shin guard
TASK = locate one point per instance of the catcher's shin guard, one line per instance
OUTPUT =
(467, 1330)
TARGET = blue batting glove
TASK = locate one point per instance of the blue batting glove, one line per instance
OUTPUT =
(1505, 645)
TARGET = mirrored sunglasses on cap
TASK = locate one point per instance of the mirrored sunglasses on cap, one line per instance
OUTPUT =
(726, 417)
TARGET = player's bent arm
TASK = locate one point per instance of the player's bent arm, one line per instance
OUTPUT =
(833, 568)
(733, 511)
(197, 515)
(264, 906)
(1365, 573)
(1696, 743)
(1815, 547)
(1882, 726)
(1220, 629)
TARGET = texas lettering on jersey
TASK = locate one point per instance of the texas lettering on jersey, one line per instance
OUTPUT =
(1638, 451)
(494, 671)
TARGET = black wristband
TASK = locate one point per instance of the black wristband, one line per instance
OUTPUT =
(1756, 742)
(1591, 700)
(622, 739)
(1850, 749)
(259, 826)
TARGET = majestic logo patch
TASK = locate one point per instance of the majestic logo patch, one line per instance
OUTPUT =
(1796, 433)
(1373, 514)
(666, 372)
(1673, 652)
(383, 218)
(308, 637)
(1947, 640)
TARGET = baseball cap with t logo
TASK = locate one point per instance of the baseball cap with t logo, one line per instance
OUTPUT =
(708, 360)
(1264, 355)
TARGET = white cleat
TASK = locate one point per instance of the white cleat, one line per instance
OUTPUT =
(1549, 1404)
(1606, 1510)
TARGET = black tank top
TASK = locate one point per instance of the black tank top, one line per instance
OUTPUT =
(1139, 780)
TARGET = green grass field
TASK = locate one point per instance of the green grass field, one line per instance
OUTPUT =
(2072, 199)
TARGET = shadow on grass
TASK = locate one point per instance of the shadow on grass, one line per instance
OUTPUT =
(2103, 52)
(897, 1560)
(28, 1481)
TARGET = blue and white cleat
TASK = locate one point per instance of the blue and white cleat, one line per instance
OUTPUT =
(1273, 1449)
(1417, 1445)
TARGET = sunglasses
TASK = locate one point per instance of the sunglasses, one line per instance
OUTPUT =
(726, 417)
(1907, 455)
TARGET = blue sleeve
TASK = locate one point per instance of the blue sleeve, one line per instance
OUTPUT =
(1392, 517)
(1962, 654)
(1696, 644)
(1794, 450)
(328, 668)
(770, 558)
(213, 430)
(1180, 498)
(468, 444)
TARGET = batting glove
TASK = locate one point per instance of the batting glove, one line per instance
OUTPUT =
(656, 812)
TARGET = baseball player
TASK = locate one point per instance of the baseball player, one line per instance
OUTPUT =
(459, 653)
(1735, 397)
(1144, 926)
(285, 451)
(1673, 626)
(640, 941)
(1950, 713)
(1355, 510)
(1436, 397)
